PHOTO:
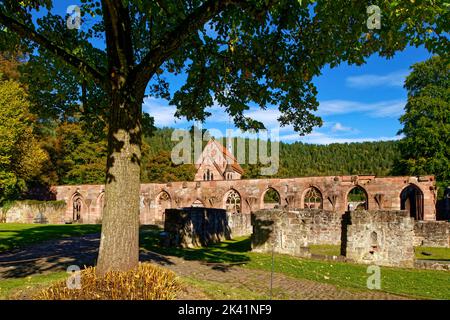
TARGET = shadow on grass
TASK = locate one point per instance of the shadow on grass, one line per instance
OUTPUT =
(221, 254)
(14, 236)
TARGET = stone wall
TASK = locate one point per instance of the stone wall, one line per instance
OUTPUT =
(36, 212)
(195, 227)
(432, 233)
(383, 193)
(292, 231)
(379, 237)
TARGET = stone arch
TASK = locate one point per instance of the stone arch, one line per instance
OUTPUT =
(232, 201)
(357, 199)
(270, 198)
(411, 199)
(312, 198)
(78, 207)
(163, 201)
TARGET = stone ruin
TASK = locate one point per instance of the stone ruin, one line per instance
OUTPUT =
(198, 226)
(382, 237)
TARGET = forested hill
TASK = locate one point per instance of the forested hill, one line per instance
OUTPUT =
(297, 159)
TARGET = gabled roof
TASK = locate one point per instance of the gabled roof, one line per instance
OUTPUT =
(229, 157)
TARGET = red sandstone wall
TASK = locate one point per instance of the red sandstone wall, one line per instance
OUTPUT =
(383, 193)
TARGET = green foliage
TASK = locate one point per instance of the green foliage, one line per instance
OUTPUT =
(161, 169)
(426, 122)
(21, 157)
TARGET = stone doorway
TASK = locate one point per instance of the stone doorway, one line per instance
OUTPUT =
(411, 200)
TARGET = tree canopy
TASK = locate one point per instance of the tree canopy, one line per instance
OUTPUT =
(426, 122)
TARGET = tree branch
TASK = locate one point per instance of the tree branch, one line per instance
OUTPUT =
(28, 33)
(174, 39)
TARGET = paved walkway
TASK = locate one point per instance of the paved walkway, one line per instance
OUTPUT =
(57, 255)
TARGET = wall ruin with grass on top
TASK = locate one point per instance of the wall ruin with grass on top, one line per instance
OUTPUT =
(432, 234)
(32, 211)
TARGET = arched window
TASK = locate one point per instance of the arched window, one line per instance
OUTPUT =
(212, 176)
(411, 199)
(163, 202)
(233, 202)
(313, 199)
(77, 207)
(357, 199)
(271, 199)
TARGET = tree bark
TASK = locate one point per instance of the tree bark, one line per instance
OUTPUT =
(119, 244)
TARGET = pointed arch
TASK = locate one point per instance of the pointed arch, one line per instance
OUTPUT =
(312, 198)
(270, 198)
(357, 199)
(163, 201)
(232, 201)
(78, 207)
(411, 199)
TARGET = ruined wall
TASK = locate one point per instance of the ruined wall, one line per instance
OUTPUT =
(383, 194)
(36, 212)
(292, 231)
(379, 237)
(432, 233)
(196, 227)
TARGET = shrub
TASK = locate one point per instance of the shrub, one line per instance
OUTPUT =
(147, 282)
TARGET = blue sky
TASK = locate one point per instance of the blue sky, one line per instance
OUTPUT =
(357, 103)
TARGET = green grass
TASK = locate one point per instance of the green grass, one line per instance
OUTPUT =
(13, 235)
(411, 282)
(10, 288)
(325, 249)
(429, 253)
(428, 284)
(220, 291)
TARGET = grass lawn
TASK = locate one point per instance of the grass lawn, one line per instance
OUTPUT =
(11, 288)
(13, 235)
(429, 253)
(325, 249)
(428, 284)
(410, 282)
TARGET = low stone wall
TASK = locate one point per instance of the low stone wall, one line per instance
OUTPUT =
(239, 224)
(379, 237)
(195, 227)
(432, 234)
(36, 212)
(291, 232)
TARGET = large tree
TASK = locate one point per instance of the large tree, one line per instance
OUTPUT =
(426, 122)
(234, 53)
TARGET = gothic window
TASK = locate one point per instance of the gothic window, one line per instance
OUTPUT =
(313, 199)
(233, 202)
(77, 205)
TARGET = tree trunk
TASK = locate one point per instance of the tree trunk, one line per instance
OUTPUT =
(119, 244)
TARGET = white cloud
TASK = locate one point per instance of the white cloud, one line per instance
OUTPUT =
(324, 138)
(338, 127)
(381, 109)
(394, 79)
